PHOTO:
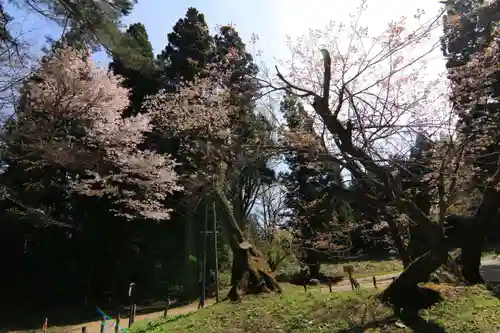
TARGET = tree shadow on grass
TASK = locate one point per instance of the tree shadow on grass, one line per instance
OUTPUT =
(406, 309)
(153, 325)
(417, 325)
(494, 288)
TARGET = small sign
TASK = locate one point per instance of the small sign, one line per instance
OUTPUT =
(348, 268)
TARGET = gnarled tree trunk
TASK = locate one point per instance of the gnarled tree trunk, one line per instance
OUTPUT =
(421, 268)
(250, 273)
(477, 231)
(418, 271)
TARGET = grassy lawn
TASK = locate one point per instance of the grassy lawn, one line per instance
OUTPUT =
(468, 310)
(366, 268)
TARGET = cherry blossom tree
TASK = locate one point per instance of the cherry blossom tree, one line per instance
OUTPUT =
(70, 117)
(369, 98)
(200, 115)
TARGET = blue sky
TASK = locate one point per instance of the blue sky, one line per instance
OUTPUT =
(271, 20)
(159, 17)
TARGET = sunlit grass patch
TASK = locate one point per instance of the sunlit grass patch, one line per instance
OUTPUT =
(463, 310)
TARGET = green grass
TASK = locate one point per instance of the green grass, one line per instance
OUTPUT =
(361, 268)
(468, 310)
(366, 268)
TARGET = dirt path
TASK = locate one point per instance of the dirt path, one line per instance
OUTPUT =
(490, 269)
(95, 326)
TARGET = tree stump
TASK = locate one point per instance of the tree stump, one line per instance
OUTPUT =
(251, 273)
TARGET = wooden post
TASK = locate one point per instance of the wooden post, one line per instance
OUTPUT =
(216, 255)
(375, 282)
(166, 308)
(348, 269)
(330, 284)
(117, 323)
(84, 329)
(103, 322)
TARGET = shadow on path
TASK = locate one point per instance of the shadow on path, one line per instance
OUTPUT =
(491, 274)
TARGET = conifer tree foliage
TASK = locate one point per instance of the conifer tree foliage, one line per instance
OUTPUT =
(470, 43)
(248, 128)
(71, 117)
(135, 62)
(228, 45)
(188, 51)
(86, 23)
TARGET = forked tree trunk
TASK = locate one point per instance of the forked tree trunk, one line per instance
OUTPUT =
(313, 263)
(417, 245)
(472, 250)
(476, 232)
(471, 261)
(418, 271)
(250, 273)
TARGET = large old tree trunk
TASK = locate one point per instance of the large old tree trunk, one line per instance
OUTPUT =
(469, 233)
(418, 271)
(382, 182)
(250, 273)
(477, 231)
(420, 268)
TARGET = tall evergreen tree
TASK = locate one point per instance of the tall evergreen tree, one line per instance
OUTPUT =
(85, 22)
(135, 61)
(248, 128)
(229, 47)
(188, 51)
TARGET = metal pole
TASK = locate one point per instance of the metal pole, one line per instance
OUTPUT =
(216, 255)
(131, 295)
(103, 323)
(204, 265)
(117, 323)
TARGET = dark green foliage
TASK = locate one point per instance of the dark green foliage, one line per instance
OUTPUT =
(85, 22)
(5, 35)
(135, 61)
(188, 51)
(230, 47)
(472, 34)
(469, 28)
